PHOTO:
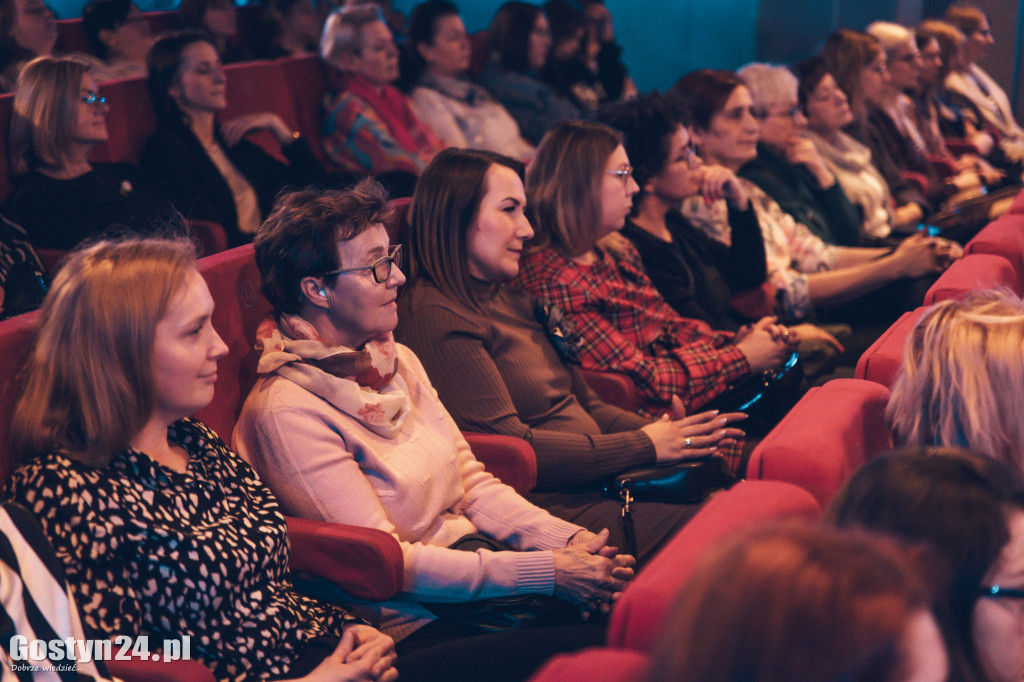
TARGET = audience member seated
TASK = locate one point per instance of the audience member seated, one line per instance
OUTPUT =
(971, 81)
(501, 365)
(344, 426)
(942, 46)
(968, 509)
(370, 125)
(59, 196)
(218, 19)
(27, 30)
(567, 70)
(809, 275)
(803, 602)
(603, 55)
(857, 62)
(696, 274)
(23, 279)
(828, 113)
(579, 190)
(958, 386)
(788, 166)
(518, 42)
(120, 37)
(162, 530)
(293, 28)
(461, 113)
(207, 170)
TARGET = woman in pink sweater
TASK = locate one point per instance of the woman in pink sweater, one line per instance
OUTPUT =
(344, 426)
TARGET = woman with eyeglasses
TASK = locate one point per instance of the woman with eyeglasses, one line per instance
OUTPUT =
(809, 276)
(206, 168)
(344, 426)
(974, 83)
(60, 197)
(968, 510)
(579, 190)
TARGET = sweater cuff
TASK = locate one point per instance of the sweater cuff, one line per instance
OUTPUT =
(555, 534)
(535, 573)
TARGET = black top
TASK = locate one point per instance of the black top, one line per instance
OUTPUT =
(696, 274)
(177, 164)
(58, 214)
(827, 213)
(23, 280)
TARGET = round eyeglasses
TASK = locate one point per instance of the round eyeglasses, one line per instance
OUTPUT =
(381, 268)
(94, 98)
(624, 173)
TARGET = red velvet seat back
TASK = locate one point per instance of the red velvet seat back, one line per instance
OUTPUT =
(130, 120)
(255, 87)
(882, 360)
(828, 434)
(1002, 237)
(973, 272)
(16, 338)
(306, 77)
(1017, 207)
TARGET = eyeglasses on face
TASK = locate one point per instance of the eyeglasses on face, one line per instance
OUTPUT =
(1000, 592)
(624, 173)
(381, 268)
(94, 98)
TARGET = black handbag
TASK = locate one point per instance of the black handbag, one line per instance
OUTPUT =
(765, 398)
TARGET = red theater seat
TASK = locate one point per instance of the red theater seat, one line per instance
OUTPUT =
(638, 616)
(613, 388)
(255, 87)
(1002, 237)
(974, 272)
(594, 665)
(883, 359)
(828, 434)
(130, 120)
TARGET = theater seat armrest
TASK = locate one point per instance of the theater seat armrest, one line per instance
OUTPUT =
(509, 458)
(364, 562)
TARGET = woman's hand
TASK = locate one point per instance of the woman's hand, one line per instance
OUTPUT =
(908, 214)
(812, 332)
(947, 251)
(680, 437)
(717, 182)
(916, 256)
(363, 655)
(802, 152)
(589, 573)
(766, 344)
(234, 130)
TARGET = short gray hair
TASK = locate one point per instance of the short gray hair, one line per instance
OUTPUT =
(769, 84)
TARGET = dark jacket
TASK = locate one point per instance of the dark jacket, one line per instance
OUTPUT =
(176, 162)
(827, 213)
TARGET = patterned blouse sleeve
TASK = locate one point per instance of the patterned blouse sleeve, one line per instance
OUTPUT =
(358, 140)
(82, 523)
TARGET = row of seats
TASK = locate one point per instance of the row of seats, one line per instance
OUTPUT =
(827, 435)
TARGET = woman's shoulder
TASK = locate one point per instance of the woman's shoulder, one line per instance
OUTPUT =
(53, 480)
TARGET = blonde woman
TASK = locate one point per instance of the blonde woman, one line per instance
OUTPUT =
(962, 378)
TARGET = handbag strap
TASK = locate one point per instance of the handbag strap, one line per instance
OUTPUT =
(626, 517)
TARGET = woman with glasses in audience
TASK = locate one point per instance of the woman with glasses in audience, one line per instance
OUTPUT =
(163, 531)
(960, 376)
(462, 113)
(974, 83)
(969, 511)
(803, 602)
(344, 426)
(579, 191)
(518, 43)
(504, 363)
(809, 275)
(60, 197)
(206, 168)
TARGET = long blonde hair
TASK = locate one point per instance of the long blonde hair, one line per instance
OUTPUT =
(89, 380)
(962, 379)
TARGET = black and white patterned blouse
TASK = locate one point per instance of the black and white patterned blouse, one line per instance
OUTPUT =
(151, 551)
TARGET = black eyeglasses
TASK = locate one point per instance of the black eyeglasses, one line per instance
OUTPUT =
(999, 592)
(93, 97)
(381, 268)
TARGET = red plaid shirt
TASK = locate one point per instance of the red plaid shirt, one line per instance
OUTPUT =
(626, 326)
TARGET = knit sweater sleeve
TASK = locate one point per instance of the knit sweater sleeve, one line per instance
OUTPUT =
(452, 346)
(358, 140)
(305, 450)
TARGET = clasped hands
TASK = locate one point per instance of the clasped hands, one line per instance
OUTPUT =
(591, 573)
